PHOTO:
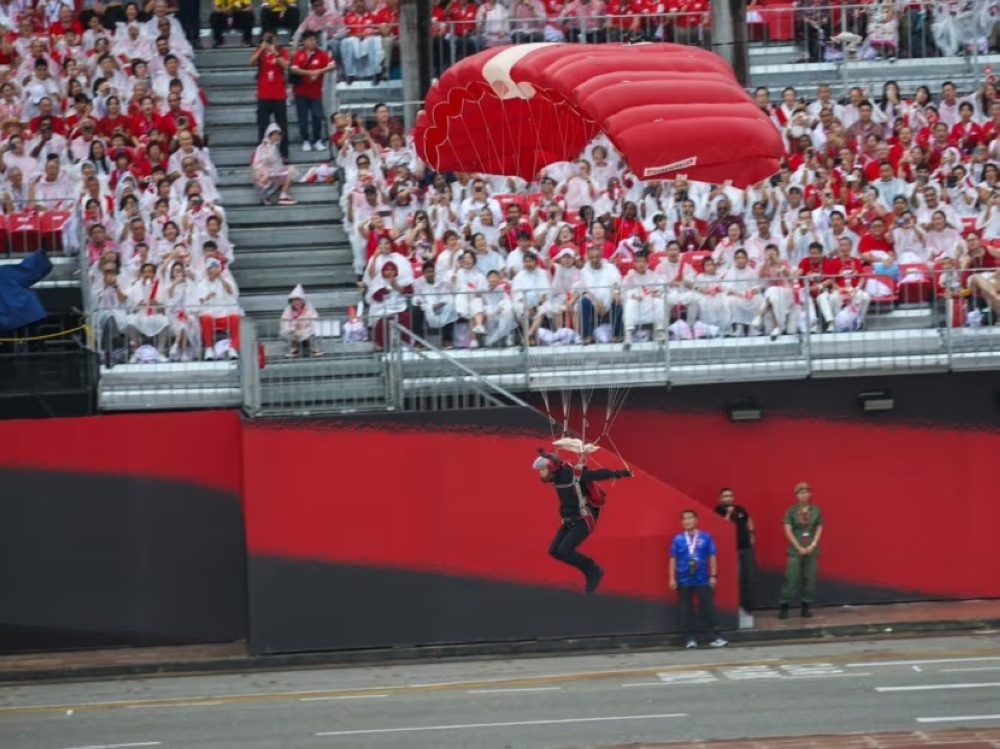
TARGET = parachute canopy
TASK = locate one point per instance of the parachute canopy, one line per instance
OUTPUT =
(669, 109)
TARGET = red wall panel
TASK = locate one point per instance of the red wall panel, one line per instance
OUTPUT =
(458, 502)
(197, 447)
(907, 508)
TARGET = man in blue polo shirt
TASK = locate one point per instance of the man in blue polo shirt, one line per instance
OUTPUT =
(693, 569)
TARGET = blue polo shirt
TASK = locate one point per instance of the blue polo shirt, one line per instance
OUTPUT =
(700, 546)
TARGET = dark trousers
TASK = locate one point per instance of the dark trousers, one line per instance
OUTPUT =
(706, 609)
(242, 22)
(748, 578)
(589, 319)
(189, 17)
(568, 538)
(310, 113)
(420, 326)
(267, 108)
(271, 21)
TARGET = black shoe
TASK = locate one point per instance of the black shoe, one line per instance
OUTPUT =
(806, 613)
(594, 580)
(783, 611)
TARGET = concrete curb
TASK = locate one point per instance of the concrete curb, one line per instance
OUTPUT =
(534, 648)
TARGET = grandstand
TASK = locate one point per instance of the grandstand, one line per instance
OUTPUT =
(913, 321)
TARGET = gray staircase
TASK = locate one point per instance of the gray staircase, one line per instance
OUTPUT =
(278, 247)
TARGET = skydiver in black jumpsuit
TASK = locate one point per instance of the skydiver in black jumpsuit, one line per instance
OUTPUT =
(577, 523)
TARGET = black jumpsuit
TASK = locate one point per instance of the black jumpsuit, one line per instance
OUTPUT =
(576, 529)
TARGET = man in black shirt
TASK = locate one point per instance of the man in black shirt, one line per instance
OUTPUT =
(580, 503)
(745, 534)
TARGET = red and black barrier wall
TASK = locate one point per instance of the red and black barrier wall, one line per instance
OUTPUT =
(432, 528)
(121, 530)
(908, 495)
(410, 529)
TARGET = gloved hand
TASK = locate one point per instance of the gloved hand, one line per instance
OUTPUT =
(624, 474)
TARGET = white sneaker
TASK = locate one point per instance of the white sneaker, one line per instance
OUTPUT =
(175, 352)
(691, 645)
(479, 330)
(775, 334)
(209, 355)
(161, 358)
(320, 146)
(718, 642)
(232, 353)
(307, 146)
(757, 322)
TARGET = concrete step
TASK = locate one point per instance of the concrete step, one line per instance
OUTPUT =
(234, 56)
(330, 366)
(343, 394)
(292, 257)
(326, 302)
(237, 114)
(236, 156)
(234, 177)
(278, 280)
(312, 234)
(307, 194)
(283, 215)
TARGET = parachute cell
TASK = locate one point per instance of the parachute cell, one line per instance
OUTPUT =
(668, 109)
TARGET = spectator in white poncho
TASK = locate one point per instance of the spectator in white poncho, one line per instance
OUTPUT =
(272, 176)
(299, 325)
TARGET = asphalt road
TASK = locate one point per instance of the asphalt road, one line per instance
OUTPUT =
(544, 703)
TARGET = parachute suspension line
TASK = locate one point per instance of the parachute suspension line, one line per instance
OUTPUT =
(566, 403)
(487, 135)
(548, 413)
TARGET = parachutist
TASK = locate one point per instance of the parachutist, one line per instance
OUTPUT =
(580, 503)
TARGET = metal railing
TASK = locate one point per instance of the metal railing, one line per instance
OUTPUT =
(702, 331)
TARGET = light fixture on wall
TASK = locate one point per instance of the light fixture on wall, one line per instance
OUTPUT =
(876, 401)
(744, 410)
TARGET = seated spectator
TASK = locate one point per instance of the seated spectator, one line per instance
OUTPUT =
(433, 305)
(299, 325)
(181, 306)
(271, 175)
(146, 315)
(275, 14)
(235, 14)
(644, 301)
(742, 285)
(387, 298)
(780, 310)
(361, 50)
(530, 289)
(219, 310)
(600, 296)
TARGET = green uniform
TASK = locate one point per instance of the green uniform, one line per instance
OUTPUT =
(802, 570)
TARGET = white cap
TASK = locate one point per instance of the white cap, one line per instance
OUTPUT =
(297, 293)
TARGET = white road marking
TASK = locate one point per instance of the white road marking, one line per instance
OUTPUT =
(512, 724)
(933, 687)
(119, 746)
(173, 704)
(812, 669)
(967, 670)
(958, 719)
(513, 690)
(918, 669)
(687, 677)
(708, 678)
(926, 662)
(347, 697)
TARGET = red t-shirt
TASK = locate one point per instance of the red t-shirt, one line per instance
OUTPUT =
(271, 85)
(823, 268)
(310, 88)
(848, 271)
(463, 18)
(868, 243)
(108, 126)
(390, 18)
(628, 228)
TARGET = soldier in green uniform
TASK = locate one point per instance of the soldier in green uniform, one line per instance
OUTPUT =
(803, 529)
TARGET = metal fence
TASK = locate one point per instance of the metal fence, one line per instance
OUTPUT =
(480, 347)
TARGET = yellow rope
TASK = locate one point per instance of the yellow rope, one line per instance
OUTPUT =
(49, 337)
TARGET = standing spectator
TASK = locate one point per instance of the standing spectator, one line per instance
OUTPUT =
(298, 325)
(803, 529)
(693, 574)
(311, 66)
(745, 539)
(278, 13)
(271, 63)
(239, 12)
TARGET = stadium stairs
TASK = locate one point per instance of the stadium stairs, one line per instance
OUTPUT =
(281, 246)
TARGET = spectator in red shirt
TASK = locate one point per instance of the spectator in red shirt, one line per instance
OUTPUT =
(628, 225)
(966, 135)
(463, 14)
(361, 51)
(385, 126)
(387, 18)
(149, 123)
(818, 273)
(311, 65)
(271, 62)
(46, 110)
(850, 284)
(876, 245)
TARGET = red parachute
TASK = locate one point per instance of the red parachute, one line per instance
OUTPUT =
(669, 109)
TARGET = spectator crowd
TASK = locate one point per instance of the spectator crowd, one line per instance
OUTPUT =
(103, 154)
(880, 200)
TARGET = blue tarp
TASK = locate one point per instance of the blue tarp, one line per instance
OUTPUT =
(19, 305)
